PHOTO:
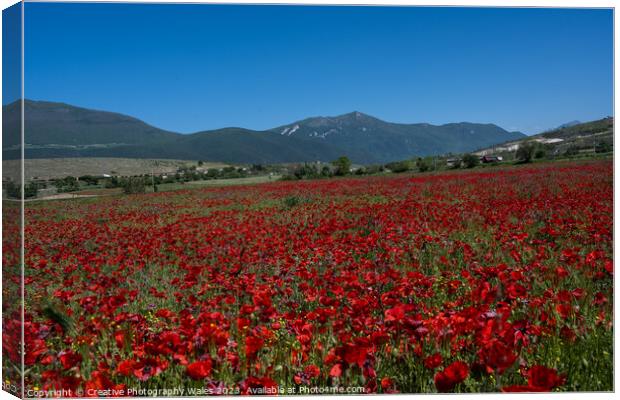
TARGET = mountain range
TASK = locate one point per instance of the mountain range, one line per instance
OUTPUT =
(54, 130)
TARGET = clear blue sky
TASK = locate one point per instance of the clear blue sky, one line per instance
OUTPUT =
(194, 67)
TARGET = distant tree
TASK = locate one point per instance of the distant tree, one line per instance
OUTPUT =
(111, 182)
(540, 152)
(134, 184)
(308, 171)
(399, 166)
(67, 184)
(571, 151)
(526, 152)
(89, 179)
(456, 164)
(374, 169)
(213, 173)
(603, 147)
(31, 190)
(471, 160)
(422, 164)
(200, 163)
(343, 165)
(14, 191)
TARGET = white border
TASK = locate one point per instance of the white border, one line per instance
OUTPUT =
(481, 3)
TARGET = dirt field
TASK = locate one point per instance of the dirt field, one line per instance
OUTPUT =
(48, 168)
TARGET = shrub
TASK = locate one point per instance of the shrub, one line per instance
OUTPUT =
(343, 165)
(306, 171)
(374, 169)
(133, 185)
(571, 151)
(31, 190)
(89, 179)
(67, 184)
(525, 152)
(291, 201)
(14, 191)
(426, 164)
(603, 147)
(399, 166)
(470, 160)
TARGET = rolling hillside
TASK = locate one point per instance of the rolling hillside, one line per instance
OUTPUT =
(573, 137)
(61, 130)
(366, 137)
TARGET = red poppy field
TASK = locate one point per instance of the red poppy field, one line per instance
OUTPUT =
(496, 279)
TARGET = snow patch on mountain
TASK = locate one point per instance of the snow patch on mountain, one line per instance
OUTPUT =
(289, 131)
(293, 130)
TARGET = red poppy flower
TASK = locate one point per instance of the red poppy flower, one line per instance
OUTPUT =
(69, 359)
(199, 369)
(312, 371)
(386, 383)
(252, 345)
(395, 314)
(452, 375)
(543, 378)
(336, 371)
(149, 367)
(434, 361)
(497, 356)
(125, 367)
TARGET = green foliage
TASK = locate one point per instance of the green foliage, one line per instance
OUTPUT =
(343, 165)
(67, 184)
(603, 147)
(134, 184)
(470, 160)
(31, 190)
(307, 171)
(426, 164)
(374, 169)
(55, 313)
(541, 152)
(111, 182)
(291, 201)
(526, 151)
(89, 179)
(14, 191)
(572, 150)
(400, 166)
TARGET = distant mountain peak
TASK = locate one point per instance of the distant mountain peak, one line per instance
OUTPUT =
(569, 124)
(356, 114)
(61, 130)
